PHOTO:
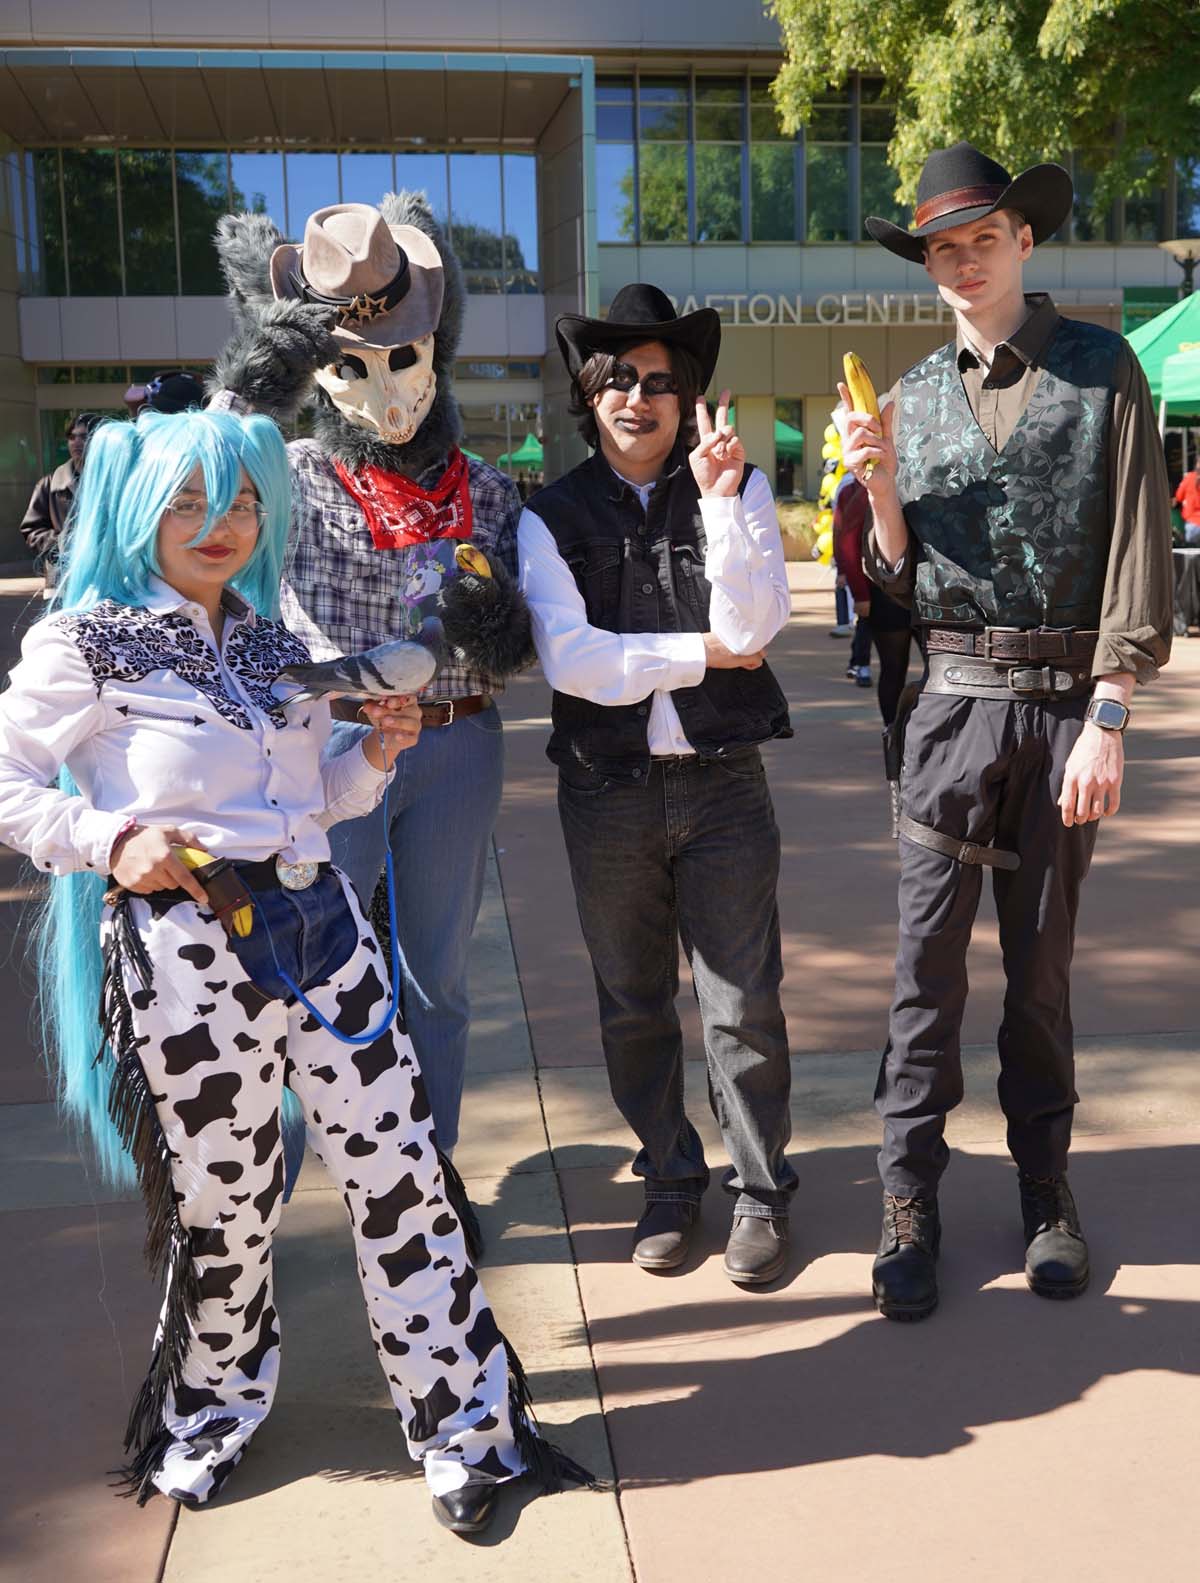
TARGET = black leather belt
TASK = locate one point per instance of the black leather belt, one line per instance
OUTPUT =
(998, 679)
(949, 846)
(1014, 643)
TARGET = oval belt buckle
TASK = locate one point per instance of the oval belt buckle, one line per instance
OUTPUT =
(295, 876)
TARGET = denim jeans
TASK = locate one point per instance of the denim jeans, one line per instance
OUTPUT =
(442, 805)
(308, 933)
(691, 855)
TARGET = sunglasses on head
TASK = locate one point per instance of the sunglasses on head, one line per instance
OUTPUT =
(624, 377)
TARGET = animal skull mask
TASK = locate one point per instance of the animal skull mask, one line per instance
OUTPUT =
(388, 390)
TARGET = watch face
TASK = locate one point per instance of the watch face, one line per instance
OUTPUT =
(1108, 713)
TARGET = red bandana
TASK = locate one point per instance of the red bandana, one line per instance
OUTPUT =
(399, 512)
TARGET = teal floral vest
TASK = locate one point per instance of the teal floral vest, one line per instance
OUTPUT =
(1019, 537)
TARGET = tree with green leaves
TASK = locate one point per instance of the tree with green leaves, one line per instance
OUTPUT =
(1027, 80)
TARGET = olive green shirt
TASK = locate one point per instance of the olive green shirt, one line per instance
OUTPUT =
(1139, 590)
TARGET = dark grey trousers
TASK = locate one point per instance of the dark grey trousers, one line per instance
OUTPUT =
(690, 854)
(984, 769)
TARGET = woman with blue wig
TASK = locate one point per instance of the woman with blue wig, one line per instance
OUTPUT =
(148, 692)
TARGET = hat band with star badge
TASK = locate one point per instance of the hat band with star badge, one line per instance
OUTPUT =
(383, 284)
(364, 305)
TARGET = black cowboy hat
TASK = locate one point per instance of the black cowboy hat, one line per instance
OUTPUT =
(960, 184)
(640, 313)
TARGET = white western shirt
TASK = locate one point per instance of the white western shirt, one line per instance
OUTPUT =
(156, 725)
(749, 604)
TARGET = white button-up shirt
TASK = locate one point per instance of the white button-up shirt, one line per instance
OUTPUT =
(750, 602)
(156, 724)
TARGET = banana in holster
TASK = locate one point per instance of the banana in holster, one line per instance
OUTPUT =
(227, 894)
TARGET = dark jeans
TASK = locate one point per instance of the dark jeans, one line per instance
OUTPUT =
(982, 768)
(691, 854)
(313, 933)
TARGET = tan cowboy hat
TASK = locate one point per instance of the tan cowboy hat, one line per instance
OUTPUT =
(383, 281)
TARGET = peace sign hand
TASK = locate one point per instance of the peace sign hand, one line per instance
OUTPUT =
(719, 458)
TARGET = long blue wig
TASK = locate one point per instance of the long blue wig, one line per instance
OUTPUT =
(133, 471)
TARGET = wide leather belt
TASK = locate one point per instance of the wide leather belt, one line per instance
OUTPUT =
(1068, 644)
(445, 711)
(434, 711)
(998, 679)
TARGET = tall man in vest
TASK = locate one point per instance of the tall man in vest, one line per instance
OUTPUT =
(1020, 506)
(655, 576)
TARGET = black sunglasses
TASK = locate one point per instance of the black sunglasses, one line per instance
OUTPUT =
(624, 377)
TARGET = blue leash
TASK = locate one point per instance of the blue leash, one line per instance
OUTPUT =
(390, 1016)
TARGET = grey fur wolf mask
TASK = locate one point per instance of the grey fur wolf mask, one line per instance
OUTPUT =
(391, 407)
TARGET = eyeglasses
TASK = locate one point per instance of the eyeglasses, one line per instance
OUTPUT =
(243, 514)
(624, 377)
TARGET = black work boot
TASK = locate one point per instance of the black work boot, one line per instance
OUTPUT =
(904, 1275)
(663, 1235)
(1056, 1255)
(757, 1250)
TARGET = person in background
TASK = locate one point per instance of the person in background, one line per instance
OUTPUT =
(173, 390)
(52, 499)
(881, 620)
(1187, 498)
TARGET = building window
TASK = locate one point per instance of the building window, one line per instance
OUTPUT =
(1145, 214)
(720, 148)
(365, 177)
(93, 236)
(521, 270)
(202, 193)
(148, 222)
(419, 171)
(257, 184)
(789, 446)
(774, 169)
(663, 115)
(477, 219)
(311, 183)
(829, 174)
(1187, 197)
(877, 123)
(616, 190)
(1085, 226)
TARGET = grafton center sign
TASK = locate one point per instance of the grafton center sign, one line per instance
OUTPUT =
(830, 307)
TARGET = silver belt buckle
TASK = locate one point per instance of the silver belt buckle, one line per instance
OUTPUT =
(295, 876)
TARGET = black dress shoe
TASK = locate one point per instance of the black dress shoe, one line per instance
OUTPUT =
(757, 1250)
(1056, 1255)
(663, 1235)
(904, 1275)
(468, 1510)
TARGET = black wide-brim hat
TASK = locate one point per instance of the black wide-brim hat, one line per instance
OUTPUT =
(640, 313)
(959, 185)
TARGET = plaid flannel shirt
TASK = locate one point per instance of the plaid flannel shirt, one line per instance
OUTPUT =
(342, 595)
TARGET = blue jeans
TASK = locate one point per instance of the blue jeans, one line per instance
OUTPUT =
(442, 805)
(690, 854)
(309, 933)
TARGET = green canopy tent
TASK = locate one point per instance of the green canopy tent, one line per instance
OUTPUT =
(471, 456)
(1180, 394)
(788, 440)
(528, 454)
(1176, 329)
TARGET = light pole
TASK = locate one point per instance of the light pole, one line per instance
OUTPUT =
(1185, 250)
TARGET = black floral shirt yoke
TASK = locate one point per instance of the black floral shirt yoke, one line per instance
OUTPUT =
(124, 643)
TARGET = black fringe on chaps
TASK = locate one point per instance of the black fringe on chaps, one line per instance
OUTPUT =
(168, 1243)
(545, 1463)
(456, 1197)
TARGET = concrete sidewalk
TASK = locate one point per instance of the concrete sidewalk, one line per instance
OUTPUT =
(789, 1432)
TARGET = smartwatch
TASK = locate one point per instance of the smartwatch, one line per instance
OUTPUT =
(1108, 714)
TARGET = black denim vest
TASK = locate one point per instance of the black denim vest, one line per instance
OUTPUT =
(644, 572)
(1018, 537)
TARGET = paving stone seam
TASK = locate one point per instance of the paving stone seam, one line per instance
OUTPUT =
(562, 1207)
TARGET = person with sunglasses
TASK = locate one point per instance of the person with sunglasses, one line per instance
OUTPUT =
(655, 575)
(149, 694)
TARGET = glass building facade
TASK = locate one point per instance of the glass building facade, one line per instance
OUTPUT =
(696, 158)
(140, 221)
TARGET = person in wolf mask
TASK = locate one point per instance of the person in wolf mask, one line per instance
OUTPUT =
(364, 316)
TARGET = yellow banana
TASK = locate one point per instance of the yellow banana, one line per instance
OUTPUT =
(468, 559)
(196, 857)
(862, 393)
